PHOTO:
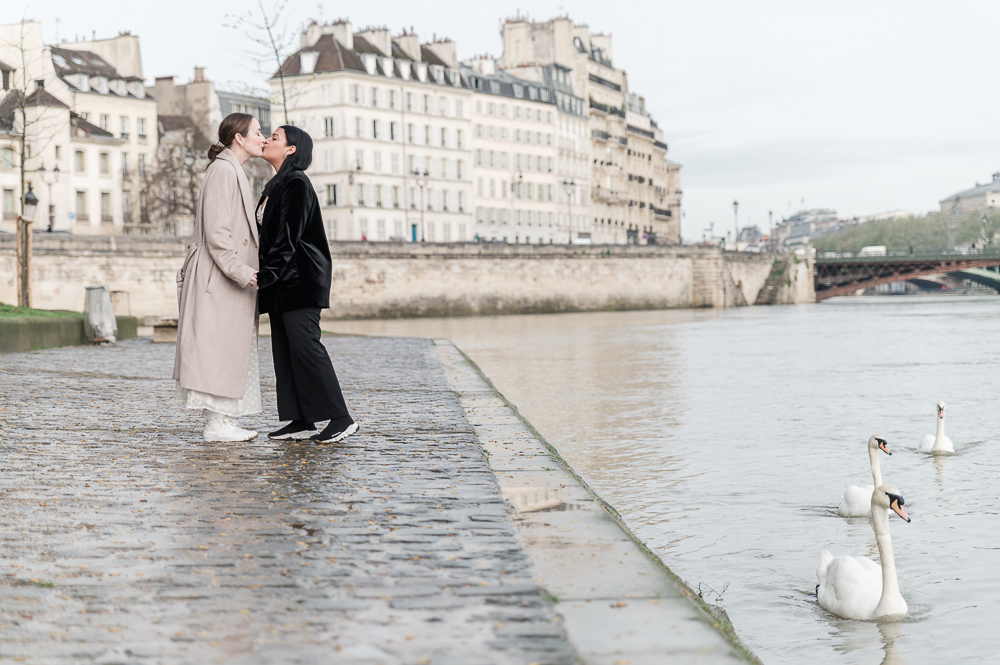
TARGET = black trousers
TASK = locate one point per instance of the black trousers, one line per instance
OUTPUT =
(306, 382)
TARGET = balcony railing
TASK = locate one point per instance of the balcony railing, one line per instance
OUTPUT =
(606, 83)
(607, 109)
(660, 144)
(598, 134)
(638, 130)
(659, 212)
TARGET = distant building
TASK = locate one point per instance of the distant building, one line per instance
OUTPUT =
(979, 197)
(89, 115)
(391, 121)
(805, 224)
(188, 121)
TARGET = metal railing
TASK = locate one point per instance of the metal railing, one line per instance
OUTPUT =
(904, 255)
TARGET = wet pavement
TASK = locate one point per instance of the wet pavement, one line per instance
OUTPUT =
(126, 539)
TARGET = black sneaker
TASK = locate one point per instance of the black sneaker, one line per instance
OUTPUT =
(335, 432)
(293, 431)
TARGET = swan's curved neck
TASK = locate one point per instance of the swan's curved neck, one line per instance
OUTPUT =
(873, 454)
(891, 601)
(940, 429)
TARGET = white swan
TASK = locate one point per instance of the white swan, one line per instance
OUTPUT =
(938, 443)
(856, 587)
(857, 501)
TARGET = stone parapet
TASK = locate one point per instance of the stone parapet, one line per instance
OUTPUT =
(396, 280)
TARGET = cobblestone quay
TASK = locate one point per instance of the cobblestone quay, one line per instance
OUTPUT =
(126, 539)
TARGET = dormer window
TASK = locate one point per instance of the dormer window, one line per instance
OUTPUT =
(495, 87)
(83, 82)
(421, 70)
(369, 61)
(307, 62)
(519, 89)
(387, 67)
(404, 69)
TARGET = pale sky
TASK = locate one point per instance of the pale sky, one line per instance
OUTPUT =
(858, 106)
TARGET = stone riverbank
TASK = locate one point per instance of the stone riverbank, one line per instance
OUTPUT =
(126, 539)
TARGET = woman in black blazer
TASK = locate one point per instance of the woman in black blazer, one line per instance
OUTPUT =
(294, 285)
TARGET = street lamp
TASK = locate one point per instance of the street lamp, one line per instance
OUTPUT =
(52, 206)
(569, 187)
(421, 183)
(736, 224)
(24, 221)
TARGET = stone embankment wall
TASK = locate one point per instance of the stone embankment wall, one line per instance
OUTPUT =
(409, 280)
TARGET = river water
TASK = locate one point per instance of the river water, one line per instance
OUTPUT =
(726, 438)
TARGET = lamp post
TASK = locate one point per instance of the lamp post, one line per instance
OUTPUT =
(736, 224)
(569, 187)
(421, 179)
(24, 221)
(52, 206)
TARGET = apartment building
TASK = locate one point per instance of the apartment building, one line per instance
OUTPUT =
(90, 118)
(630, 177)
(515, 156)
(390, 120)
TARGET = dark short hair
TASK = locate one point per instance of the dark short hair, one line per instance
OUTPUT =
(298, 160)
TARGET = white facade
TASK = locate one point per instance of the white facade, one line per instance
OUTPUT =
(391, 134)
(91, 120)
(514, 160)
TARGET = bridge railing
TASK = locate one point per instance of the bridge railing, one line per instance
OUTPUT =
(903, 255)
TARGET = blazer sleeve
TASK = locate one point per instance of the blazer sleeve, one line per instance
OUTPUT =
(291, 224)
(219, 197)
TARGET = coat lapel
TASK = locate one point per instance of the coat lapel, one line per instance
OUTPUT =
(245, 192)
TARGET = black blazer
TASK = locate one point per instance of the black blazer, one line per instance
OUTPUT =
(295, 267)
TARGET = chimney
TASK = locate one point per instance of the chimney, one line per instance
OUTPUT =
(341, 31)
(379, 38)
(310, 36)
(996, 177)
(199, 75)
(444, 49)
(409, 44)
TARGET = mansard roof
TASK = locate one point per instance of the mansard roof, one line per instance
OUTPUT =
(334, 57)
(42, 97)
(70, 61)
(80, 128)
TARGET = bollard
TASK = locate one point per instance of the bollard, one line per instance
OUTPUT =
(99, 324)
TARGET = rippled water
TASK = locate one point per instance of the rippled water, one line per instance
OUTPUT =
(727, 438)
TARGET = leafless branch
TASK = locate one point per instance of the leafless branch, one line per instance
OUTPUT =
(269, 33)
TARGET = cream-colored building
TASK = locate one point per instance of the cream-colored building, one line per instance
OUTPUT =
(631, 186)
(92, 120)
(390, 121)
(520, 188)
(967, 201)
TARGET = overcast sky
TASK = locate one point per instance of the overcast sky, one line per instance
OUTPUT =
(859, 106)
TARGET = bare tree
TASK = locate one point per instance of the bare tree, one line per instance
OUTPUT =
(268, 31)
(33, 123)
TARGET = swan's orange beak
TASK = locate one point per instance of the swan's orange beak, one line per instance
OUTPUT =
(899, 510)
(884, 446)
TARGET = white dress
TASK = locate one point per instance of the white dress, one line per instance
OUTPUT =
(231, 406)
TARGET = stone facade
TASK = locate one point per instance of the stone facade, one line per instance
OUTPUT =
(91, 117)
(979, 197)
(391, 123)
(422, 279)
(630, 182)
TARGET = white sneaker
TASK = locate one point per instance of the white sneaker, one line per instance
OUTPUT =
(220, 428)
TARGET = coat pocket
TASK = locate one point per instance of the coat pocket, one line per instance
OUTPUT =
(185, 268)
(212, 280)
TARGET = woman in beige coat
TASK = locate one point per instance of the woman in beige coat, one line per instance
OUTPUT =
(216, 362)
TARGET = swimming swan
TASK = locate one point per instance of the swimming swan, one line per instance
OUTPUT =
(938, 443)
(856, 587)
(857, 498)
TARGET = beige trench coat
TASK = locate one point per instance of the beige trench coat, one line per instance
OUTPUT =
(217, 309)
